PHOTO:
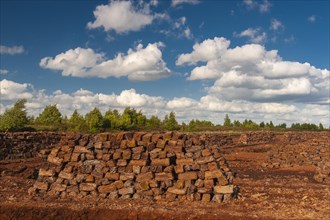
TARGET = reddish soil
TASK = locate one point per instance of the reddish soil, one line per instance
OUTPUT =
(289, 193)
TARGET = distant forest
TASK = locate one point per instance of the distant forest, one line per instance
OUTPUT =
(50, 119)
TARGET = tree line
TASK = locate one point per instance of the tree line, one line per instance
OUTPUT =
(51, 119)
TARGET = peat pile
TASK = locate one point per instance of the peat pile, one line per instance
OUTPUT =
(140, 165)
(322, 174)
(299, 137)
(14, 145)
(304, 149)
(258, 137)
(218, 139)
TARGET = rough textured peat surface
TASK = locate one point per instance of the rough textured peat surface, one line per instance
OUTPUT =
(158, 166)
(27, 144)
(303, 149)
(280, 176)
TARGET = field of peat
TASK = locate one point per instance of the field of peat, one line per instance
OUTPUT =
(138, 175)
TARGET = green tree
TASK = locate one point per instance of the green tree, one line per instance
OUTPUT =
(94, 120)
(283, 125)
(107, 119)
(14, 119)
(131, 118)
(237, 123)
(141, 119)
(154, 123)
(50, 116)
(112, 119)
(309, 127)
(262, 124)
(249, 124)
(184, 127)
(116, 116)
(76, 122)
(321, 126)
(296, 126)
(197, 125)
(170, 122)
(31, 119)
(227, 121)
(126, 119)
(192, 125)
(270, 125)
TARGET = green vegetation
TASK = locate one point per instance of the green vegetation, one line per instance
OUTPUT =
(77, 122)
(197, 125)
(50, 119)
(50, 116)
(170, 122)
(16, 119)
(227, 122)
(153, 123)
(94, 121)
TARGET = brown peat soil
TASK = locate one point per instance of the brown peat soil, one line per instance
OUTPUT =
(265, 193)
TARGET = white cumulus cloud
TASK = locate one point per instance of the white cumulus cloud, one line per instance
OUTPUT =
(132, 99)
(255, 35)
(182, 103)
(123, 16)
(208, 50)
(74, 62)
(209, 107)
(251, 73)
(212, 103)
(82, 99)
(139, 64)
(10, 90)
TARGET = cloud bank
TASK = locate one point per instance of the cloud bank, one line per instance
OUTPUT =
(252, 73)
(139, 64)
(209, 107)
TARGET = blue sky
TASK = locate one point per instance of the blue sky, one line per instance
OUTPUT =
(262, 60)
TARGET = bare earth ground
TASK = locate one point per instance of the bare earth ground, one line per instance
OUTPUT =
(289, 193)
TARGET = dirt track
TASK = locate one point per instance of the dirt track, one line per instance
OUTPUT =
(289, 193)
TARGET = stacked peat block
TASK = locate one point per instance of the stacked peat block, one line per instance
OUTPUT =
(298, 137)
(290, 155)
(322, 174)
(259, 137)
(219, 139)
(158, 166)
(314, 150)
(14, 145)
